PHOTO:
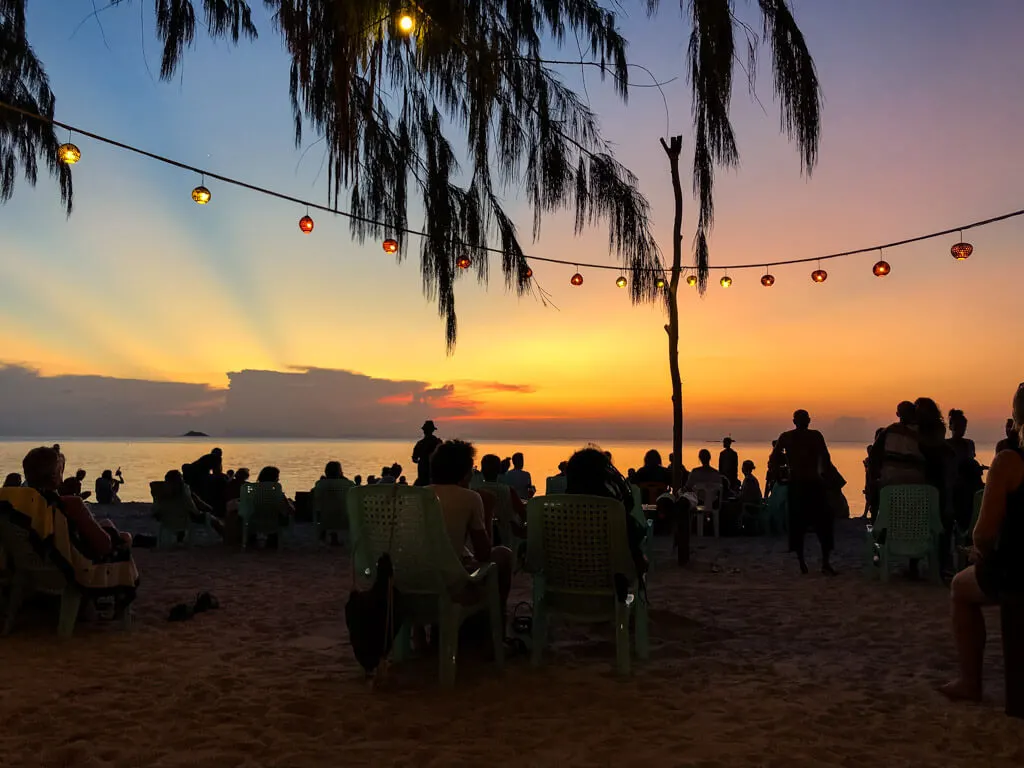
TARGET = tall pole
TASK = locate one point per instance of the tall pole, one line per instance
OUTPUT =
(673, 149)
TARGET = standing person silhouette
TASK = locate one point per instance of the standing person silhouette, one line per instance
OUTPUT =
(804, 451)
(729, 464)
(422, 452)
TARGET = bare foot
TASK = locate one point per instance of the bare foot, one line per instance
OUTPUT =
(960, 691)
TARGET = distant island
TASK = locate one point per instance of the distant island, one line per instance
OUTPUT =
(193, 433)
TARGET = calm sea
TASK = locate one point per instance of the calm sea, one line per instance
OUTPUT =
(302, 461)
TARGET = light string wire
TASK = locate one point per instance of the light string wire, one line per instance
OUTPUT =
(529, 257)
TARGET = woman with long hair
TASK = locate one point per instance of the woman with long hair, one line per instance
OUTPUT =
(998, 561)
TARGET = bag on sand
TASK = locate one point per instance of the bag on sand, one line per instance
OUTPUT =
(372, 617)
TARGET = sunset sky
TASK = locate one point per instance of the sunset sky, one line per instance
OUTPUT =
(922, 131)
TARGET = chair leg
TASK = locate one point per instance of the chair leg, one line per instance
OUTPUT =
(622, 661)
(20, 589)
(641, 630)
(448, 647)
(497, 621)
(70, 602)
(540, 633)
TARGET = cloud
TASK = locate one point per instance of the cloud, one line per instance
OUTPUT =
(496, 386)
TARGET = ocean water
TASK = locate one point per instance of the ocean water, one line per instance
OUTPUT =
(302, 461)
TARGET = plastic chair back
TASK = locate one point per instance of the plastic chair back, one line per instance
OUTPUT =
(555, 484)
(261, 505)
(172, 506)
(329, 503)
(709, 496)
(911, 518)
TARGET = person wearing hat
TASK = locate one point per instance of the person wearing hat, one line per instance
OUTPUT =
(422, 452)
(729, 464)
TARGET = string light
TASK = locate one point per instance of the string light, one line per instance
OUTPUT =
(529, 273)
(463, 262)
(201, 194)
(660, 282)
(406, 23)
(962, 250)
(576, 279)
(69, 153)
(881, 268)
(306, 224)
(725, 282)
(621, 281)
(767, 280)
(819, 275)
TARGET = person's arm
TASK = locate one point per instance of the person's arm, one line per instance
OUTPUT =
(97, 539)
(517, 504)
(1003, 477)
(200, 505)
(779, 452)
(479, 532)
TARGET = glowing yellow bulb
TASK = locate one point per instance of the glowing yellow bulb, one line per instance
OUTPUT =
(725, 282)
(621, 281)
(691, 280)
(69, 154)
(660, 282)
(406, 23)
(201, 195)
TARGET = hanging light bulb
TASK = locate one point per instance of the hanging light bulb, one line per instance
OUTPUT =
(576, 279)
(691, 280)
(767, 280)
(201, 194)
(881, 268)
(68, 153)
(529, 273)
(306, 224)
(620, 281)
(725, 282)
(961, 250)
(390, 246)
(406, 23)
(819, 275)
(463, 262)
(660, 282)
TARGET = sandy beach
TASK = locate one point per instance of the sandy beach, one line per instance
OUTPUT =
(752, 665)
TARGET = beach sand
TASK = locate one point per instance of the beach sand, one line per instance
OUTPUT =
(752, 665)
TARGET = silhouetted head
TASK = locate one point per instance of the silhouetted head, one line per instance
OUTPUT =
(42, 469)
(402, 480)
(801, 419)
(396, 470)
(333, 470)
(748, 467)
(358, 479)
(242, 475)
(517, 460)
(506, 465)
(490, 467)
(13, 480)
(1018, 412)
(428, 427)
(80, 475)
(230, 474)
(631, 475)
(906, 412)
(704, 457)
(269, 475)
(930, 424)
(174, 479)
(586, 467)
(562, 465)
(217, 452)
(107, 475)
(371, 479)
(727, 442)
(385, 471)
(652, 458)
(957, 423)
(452, 463)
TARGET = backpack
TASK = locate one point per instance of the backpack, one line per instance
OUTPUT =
(372, 617)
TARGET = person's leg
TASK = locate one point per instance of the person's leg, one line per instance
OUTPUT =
(796, 503)
(503, 559)
(969, 634)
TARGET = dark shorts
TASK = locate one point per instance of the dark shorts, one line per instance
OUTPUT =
(989, 577)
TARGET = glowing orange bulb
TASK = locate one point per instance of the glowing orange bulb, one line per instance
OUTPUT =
(768, 281)
(962, 251)
(576, 279)
(881, 269)
(463, 262)
(529, 273)
(691, 280)
(390, 246)
(406, 23)
(819, 275)
(306, 224)
(725, 282)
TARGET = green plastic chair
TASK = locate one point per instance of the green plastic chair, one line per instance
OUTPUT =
(775, 511)
(576, 546)
(174, 511)
(908, 524)
(260, 508)
(329, 505)
(407, 522)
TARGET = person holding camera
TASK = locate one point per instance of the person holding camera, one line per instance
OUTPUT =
(107, 486)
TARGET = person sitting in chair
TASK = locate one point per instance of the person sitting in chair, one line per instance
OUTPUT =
(72, 486)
